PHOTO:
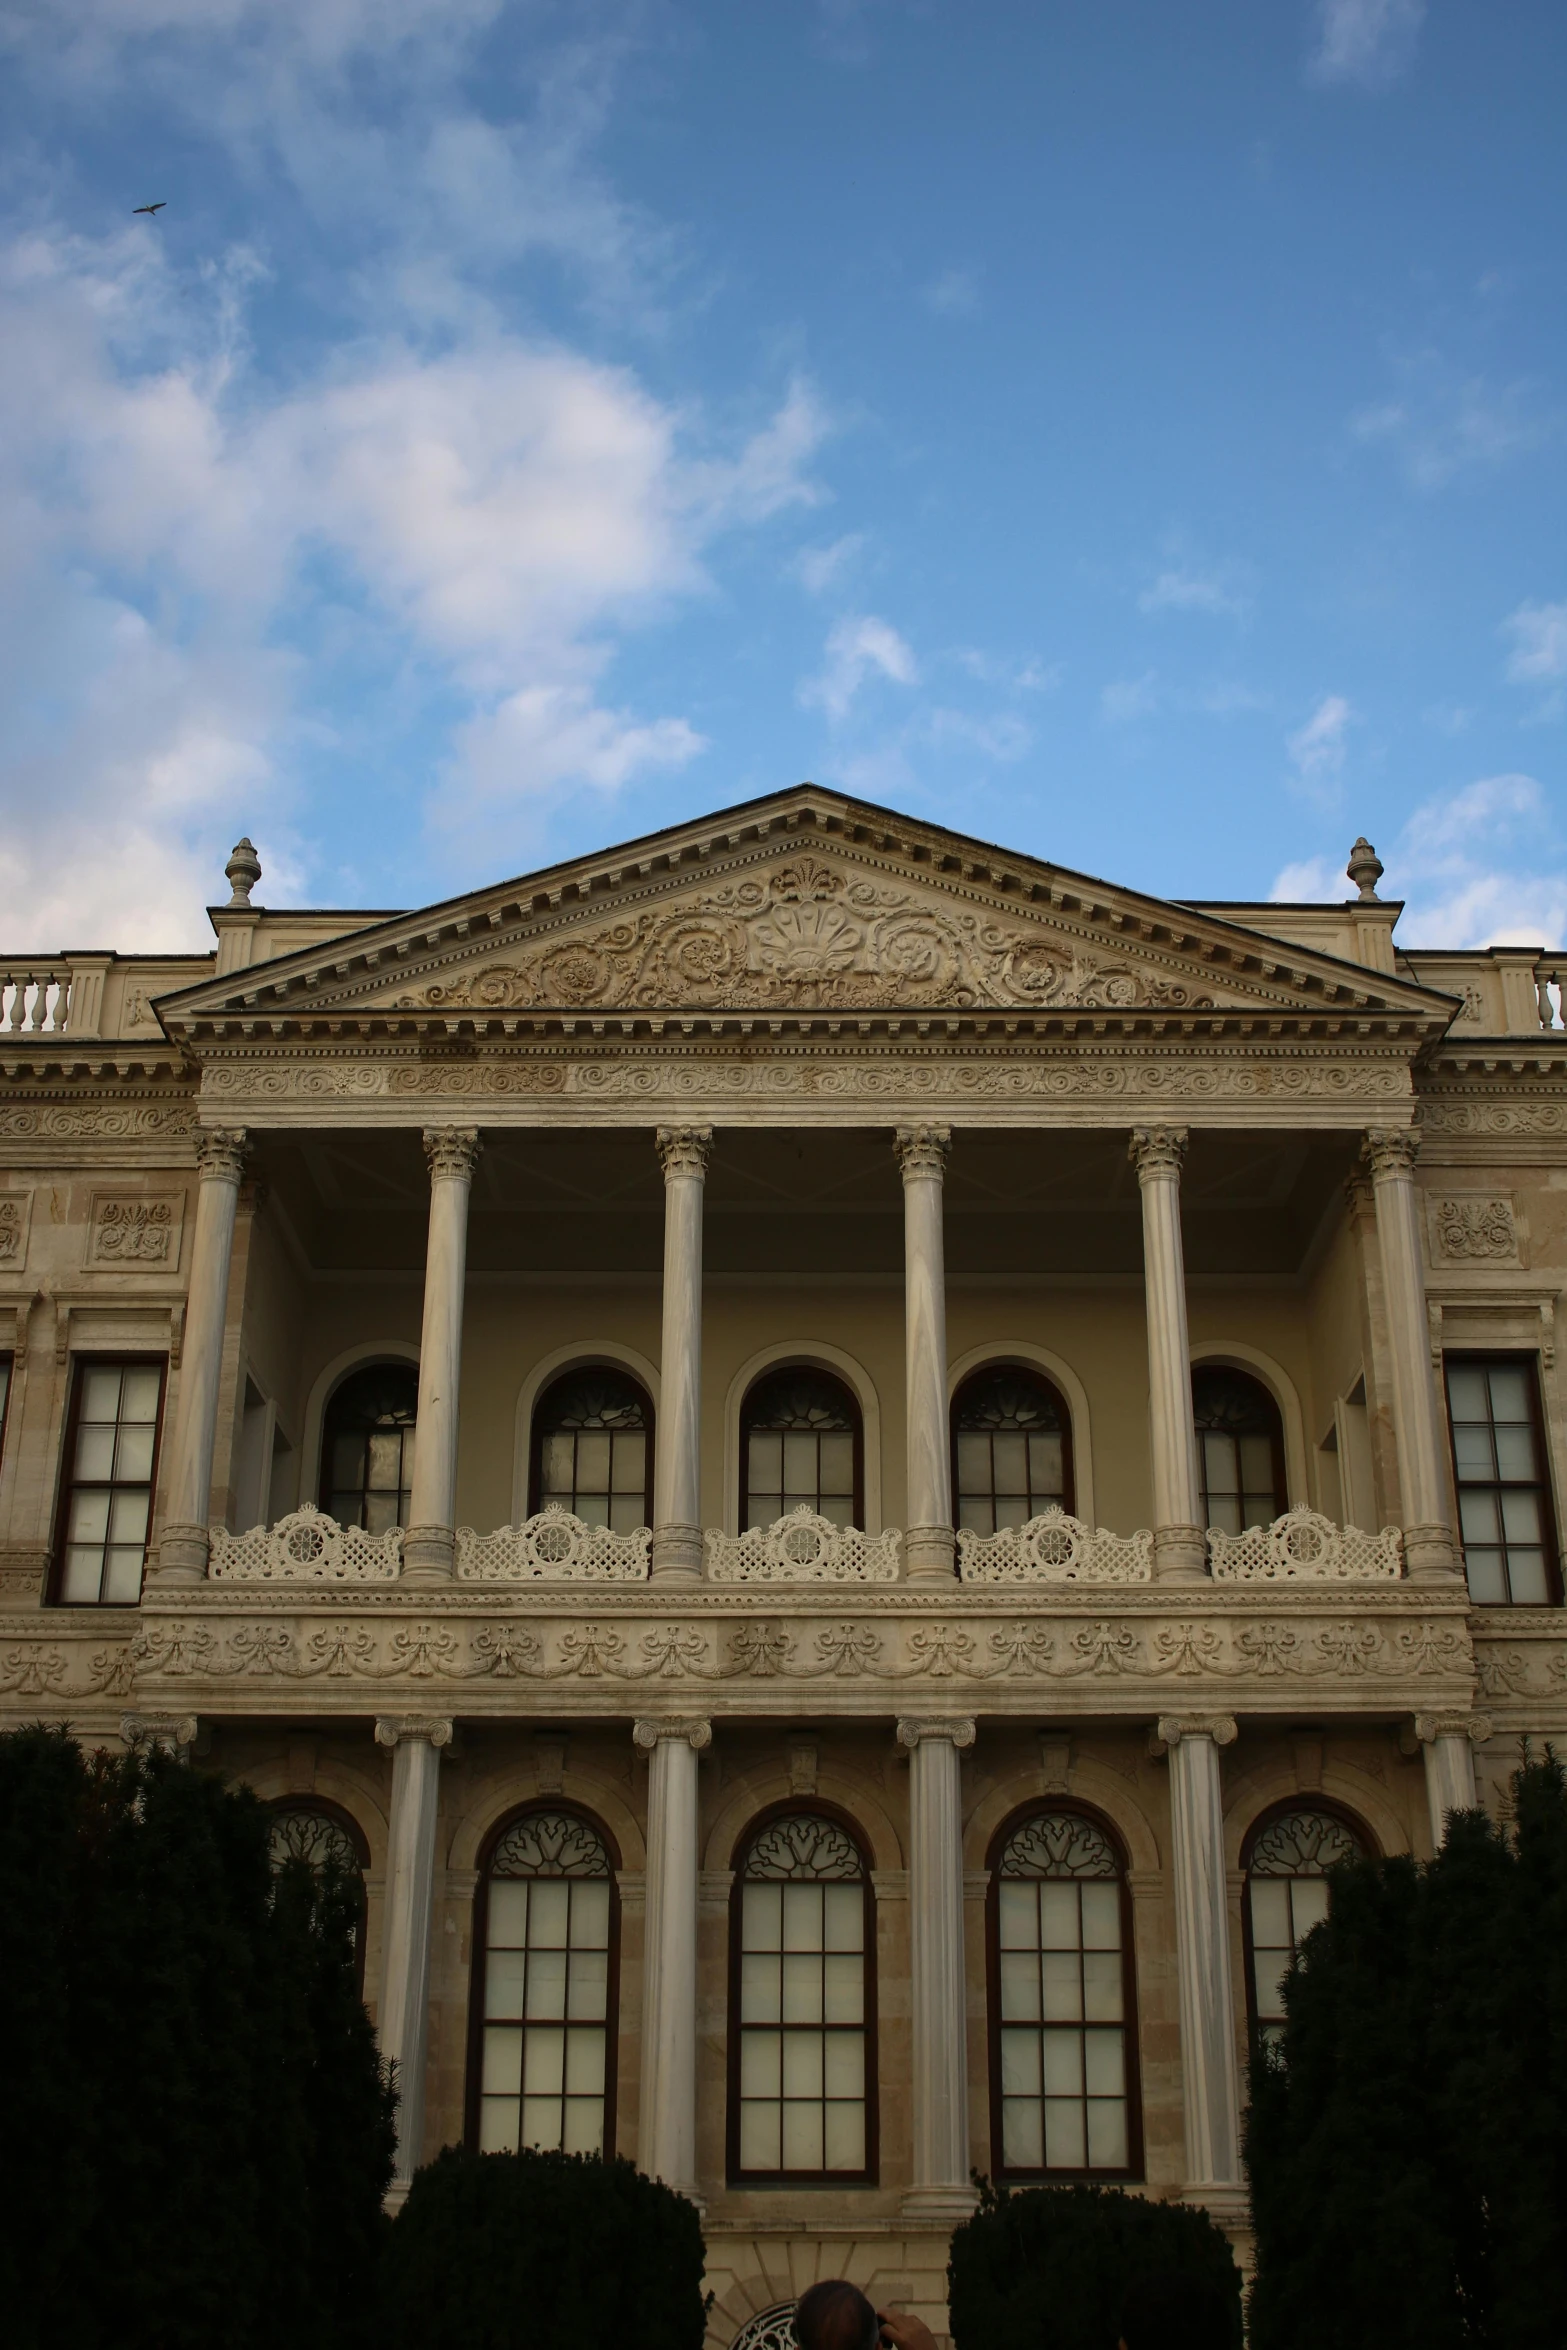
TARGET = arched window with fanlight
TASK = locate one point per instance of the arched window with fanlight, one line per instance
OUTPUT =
(1063, 2057)
(542, 2069)
(1288, 1859)
(802, 2084)
(367, 1447)
(326, 1838)
(1240, 1449)
(801, 1446)
(1011, 1448)
(592, 1448)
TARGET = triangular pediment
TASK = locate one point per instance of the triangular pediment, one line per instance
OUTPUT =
(804, 902)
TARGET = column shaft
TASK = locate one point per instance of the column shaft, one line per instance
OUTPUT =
(1210, 2074)
(404, 2025)
(1448, 1741)
(1179, 1547)
(677, 1476)
(182, 1552)
(428, 1543)
(938, 2000)
(1417, 1412)
(667, 2128)
(929, 1544)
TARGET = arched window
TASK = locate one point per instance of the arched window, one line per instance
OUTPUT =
(1062, 2002)
(324, 1837)
(801, 1442)
(544, 1999)
(367, 1447)
(1240, 1448)
(1288, 1856)
(1011, 1448)
(593, 1448)
(802, 2004)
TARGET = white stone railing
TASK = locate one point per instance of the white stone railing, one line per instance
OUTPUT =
(553, 1547)
(1305, 1547)
(1054, 1548)
(35, 998)
(803, 1548)
(305, 1547)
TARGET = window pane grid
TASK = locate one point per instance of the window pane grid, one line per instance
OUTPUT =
(1010, 1449)
(592, 1453)
(800, 2086)
(1287, 1893)
(1060, 2020)
(801, 1448)
(108, 1503)
(367, 1453)
(1239, 1450)
(1504, 1518)
(544, 2062)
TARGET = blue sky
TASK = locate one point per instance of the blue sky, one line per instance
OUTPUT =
(1134, 432)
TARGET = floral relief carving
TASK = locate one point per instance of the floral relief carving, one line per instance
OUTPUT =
(106, 1120)
(1470, 1229)
(135, 1231)
(15, 1209)
(1446, 1116)
(812, 936)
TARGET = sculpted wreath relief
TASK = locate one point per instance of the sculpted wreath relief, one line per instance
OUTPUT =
(809, 936)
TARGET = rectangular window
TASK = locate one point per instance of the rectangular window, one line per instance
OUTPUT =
(111, 1457)
(1504, 1502)
(802, 2072)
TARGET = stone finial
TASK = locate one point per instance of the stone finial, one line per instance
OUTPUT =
(243, 871)
(1364, 868)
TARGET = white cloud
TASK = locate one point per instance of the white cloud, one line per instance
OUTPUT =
(1539, 654)
(820, 569)
(1476, 867)
(1442, 423)
(1126, 699)
(954, 294)
(1027, 676)
(1368, 42)
(1316, 749)
(856, 649)
(1181, 589)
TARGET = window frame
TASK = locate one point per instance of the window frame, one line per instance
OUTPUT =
(1281, 1490)
(344, 1819)
(65, 1485)
(763, 1379)
(1031, 1371)
(1038, 1807)
(792, 1807)
(537, 1431)
(1545, 1484)
(1306, 1800)
(325, 1487)
(479, 1957)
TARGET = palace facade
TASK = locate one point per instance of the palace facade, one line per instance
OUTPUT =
(840, 1461)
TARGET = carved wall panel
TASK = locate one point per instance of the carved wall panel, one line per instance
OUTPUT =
(16, 1215)
(135, 1231)
(1473, 1228)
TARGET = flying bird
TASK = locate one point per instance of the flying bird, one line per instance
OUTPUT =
(148, 208)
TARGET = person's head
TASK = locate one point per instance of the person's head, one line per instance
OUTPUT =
(1171, 2309)
(835, 2315)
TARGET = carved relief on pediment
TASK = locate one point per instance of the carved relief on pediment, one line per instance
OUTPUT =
(808, 937)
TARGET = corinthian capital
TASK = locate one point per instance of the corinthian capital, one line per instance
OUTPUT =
(922, 1151)
(452, 1151)
(684, 1150)
(221, 1152)
(694, 1732)
(1390, 1150)
(1157, 1151)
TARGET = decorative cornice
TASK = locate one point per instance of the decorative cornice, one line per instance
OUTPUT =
(957, 1729)
(694, 1730)
(1158, 1153)
(922, 1152)
(452, 1152)
(1391, 1152)
(684, 1150)
(221, 1152)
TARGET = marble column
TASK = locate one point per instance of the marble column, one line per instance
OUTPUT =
(666, 2136)
(940, 2186)
(1180, 1549)
(677, 1472)
(1448, 1742)
(429, 1542)
(1210, 2074)
(404, 2015)
(929, 1546)
(182, 1551)
(1418, 1428)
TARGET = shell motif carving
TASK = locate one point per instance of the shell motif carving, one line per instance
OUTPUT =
(809, 936)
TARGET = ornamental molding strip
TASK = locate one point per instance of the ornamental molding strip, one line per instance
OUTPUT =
(1054, 1548)
(802, 1548)
(133, 1229)
(553, 1547)
(305, 1547)
(1303, 1546)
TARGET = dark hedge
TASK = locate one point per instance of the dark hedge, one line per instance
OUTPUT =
(537, 2251)
(1049, 2268)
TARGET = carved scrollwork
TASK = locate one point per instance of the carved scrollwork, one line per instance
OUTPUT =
(305, 1547)
(802, 1548)
(553, 1547)
(1054, 1548)
(1303, 1546)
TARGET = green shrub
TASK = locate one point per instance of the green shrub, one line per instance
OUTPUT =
(538, 2251)
(1048, 2268)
